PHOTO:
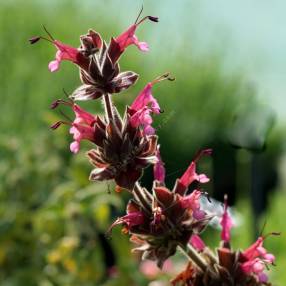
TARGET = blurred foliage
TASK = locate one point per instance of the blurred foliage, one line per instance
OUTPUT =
(52, 220)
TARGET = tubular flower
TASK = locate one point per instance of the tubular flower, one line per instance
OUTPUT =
(65, 52)
(83, 126)
(144, 106)
(257, 258)
(192, 202)
(128, 38)
(119, 44)
(226, 224)
(191, 175)
(133, 218)
(143, 118)
(146, 98)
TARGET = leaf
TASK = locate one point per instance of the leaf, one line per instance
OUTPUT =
(86, 92)
(123, 81)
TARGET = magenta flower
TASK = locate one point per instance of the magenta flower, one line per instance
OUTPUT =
(191, 175)
(119, 44)
(226, 223)
(159, 169)
(257, 250)
(128, 38)
(133, 218)
(192, 202)
(82, 127)
(144, 106)
(145, 98)
(257, 258)
(65, 52)
(80, 132)
(197, 242)
(143, 118)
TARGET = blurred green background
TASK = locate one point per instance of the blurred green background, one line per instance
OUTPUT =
(229, 67)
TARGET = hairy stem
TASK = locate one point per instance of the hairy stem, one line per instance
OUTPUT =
(193, 256)
(196, 258)
(108, 106)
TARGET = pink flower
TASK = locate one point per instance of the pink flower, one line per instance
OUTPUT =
(83, 116)
(159, 169)
(226, 223)
(119, 44)
(143, 118)
(82, 127)
(128, 38)
(197, 242)
(192, 202)
(191, 175)
(257, 250)
(65, 52)
(130, 220)
(257, 268)
(145, 98)
(143, 106)
(80, 132)
(257, 258)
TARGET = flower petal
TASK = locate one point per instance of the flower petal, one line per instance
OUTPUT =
(54, 65)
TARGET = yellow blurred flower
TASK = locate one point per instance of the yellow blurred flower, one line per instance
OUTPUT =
(54, 256)
(70, 265)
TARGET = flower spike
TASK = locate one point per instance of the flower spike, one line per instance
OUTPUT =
(159, 221)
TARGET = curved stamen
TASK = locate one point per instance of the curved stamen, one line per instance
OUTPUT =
(58, 124)
(140, 12)
(49, 34)
(165, 76)
(57, 102)
(201, 153)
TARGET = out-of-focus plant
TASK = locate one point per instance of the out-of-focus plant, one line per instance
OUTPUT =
(52, 227)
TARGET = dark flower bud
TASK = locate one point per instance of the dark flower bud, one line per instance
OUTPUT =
(153, 19)
(56, 125)
(55, 104)
(34, 40)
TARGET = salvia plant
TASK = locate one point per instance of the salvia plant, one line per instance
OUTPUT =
(161, 220)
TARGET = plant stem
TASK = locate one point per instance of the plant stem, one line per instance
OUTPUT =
(193, 256)
(108, 106)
